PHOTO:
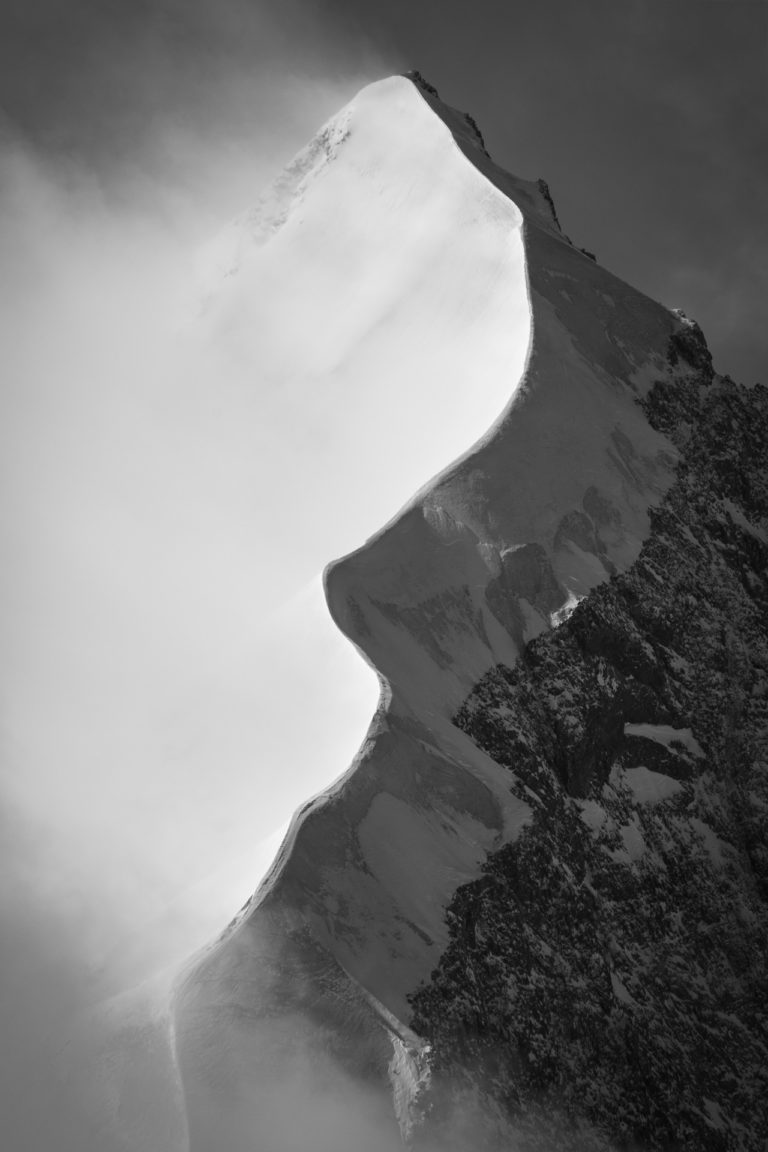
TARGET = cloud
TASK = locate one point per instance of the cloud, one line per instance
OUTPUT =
(128, 135)
(163, 514)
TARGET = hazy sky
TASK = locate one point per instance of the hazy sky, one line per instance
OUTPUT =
(129, 133)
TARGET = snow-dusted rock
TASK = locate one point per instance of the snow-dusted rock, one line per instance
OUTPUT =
(608, 967)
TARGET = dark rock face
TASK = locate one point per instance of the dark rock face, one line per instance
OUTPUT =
(605, 983)
(690, 345)
(544, 189)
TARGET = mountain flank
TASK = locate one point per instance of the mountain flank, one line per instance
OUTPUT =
(532, 913)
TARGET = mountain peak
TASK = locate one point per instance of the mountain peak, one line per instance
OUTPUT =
(538, 725)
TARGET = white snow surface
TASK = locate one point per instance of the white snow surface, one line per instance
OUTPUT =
(392, 271)
(666, 735)
(651, 787)
(592, 813)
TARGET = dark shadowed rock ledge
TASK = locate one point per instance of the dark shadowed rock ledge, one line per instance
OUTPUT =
(605, 983)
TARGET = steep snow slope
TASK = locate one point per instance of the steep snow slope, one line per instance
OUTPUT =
(304, 1002)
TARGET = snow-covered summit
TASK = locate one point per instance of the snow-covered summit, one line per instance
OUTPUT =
(394, 234)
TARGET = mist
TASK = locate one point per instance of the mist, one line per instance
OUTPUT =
(172, 686)
(133, 637)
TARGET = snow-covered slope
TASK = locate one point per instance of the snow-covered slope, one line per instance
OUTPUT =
(309, 1022)
(550, 502)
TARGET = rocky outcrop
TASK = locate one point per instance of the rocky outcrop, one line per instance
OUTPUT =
(605, 981)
